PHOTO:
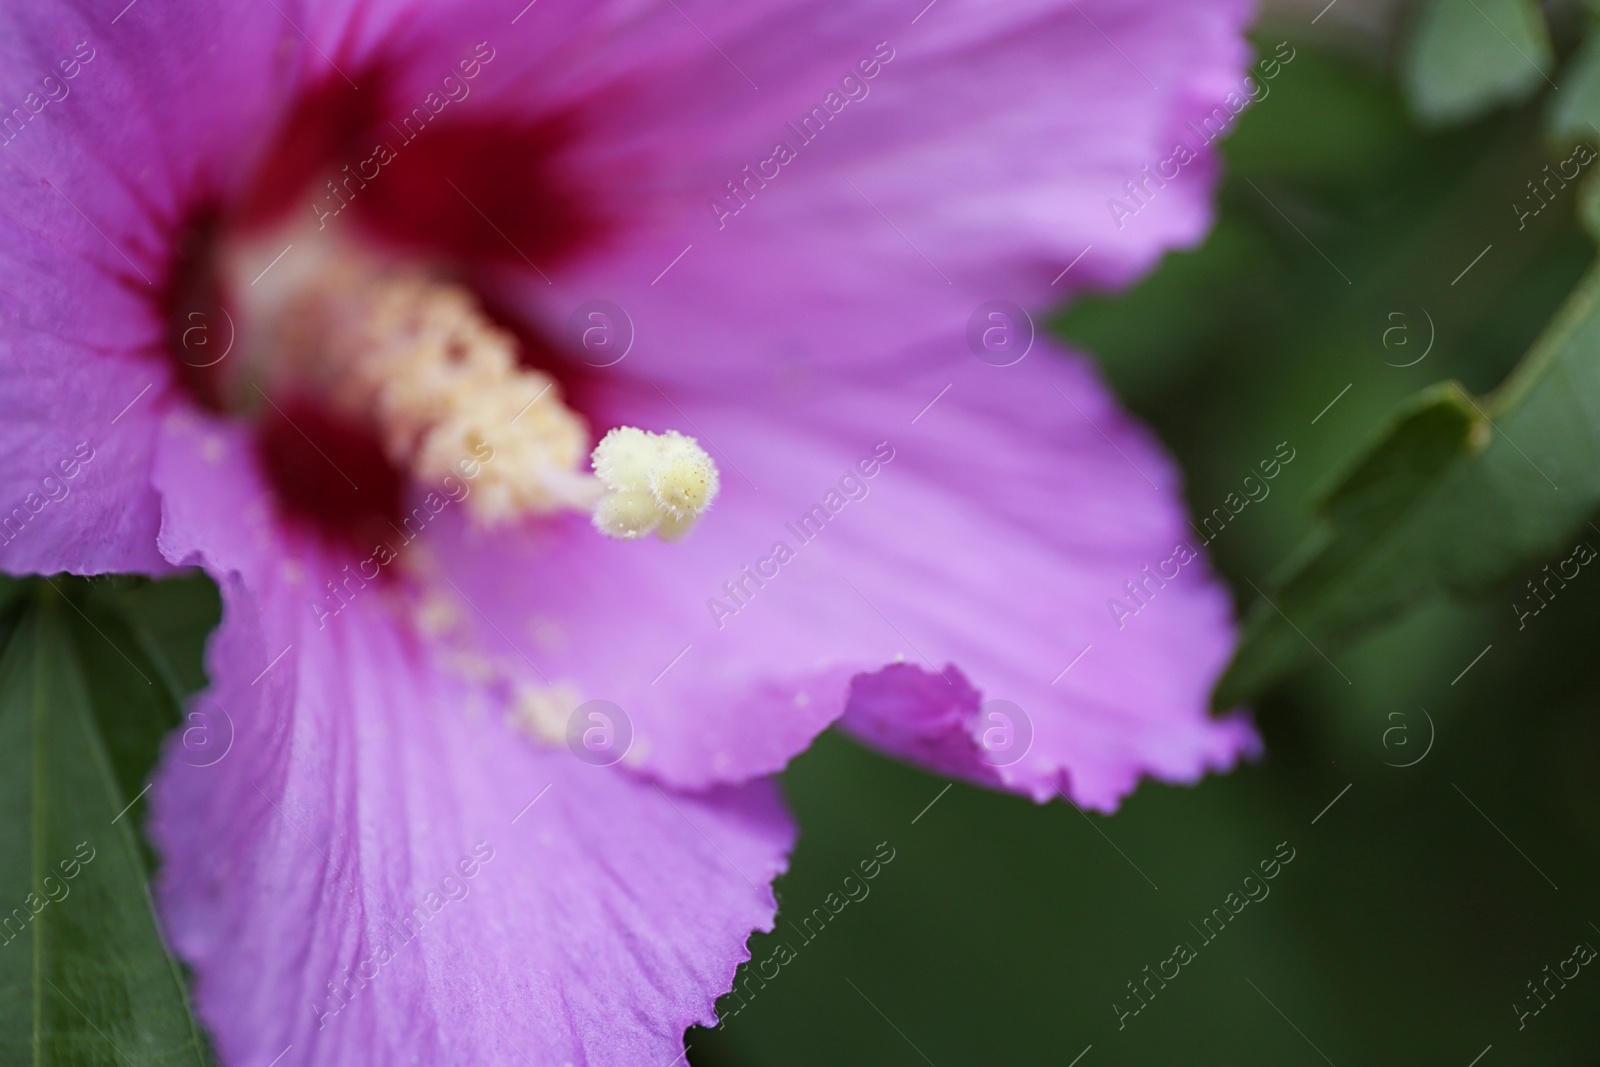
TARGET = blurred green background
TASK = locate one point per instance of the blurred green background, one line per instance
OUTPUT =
(1418, 905)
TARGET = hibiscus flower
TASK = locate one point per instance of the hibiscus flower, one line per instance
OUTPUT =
(580, 407)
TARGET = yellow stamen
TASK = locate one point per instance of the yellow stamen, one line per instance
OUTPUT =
(418, 361)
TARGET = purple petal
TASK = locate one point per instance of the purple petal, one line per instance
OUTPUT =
(981, 163)
(1075, 686)
(352, 812)
(137, 122)
(1018, 502)
(978, 160)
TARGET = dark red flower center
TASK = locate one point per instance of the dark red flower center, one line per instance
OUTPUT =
(437, 186)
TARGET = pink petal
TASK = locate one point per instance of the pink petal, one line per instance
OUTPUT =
(980, 165)
(980, 162)
(151, 122)
(1018, 502)
(353, 812)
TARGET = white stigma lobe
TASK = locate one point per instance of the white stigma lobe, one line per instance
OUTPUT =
(655, 483)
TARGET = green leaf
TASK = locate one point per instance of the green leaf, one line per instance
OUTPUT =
(1467, 56)
(1574, 113)
(84, 975)
(1589, 206)
(1455, 496)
